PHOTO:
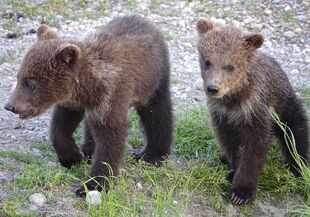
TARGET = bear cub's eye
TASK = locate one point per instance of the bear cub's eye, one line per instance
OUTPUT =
(229, 68)
(207, 64)
(30, 84)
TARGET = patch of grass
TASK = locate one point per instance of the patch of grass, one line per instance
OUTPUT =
(53, 11)
(193, 135)
(251, 3)
(154, 4)
(145, 190)
(302, 165)
(288, 16)
(131, 4)
(7, 56)
(168, 35)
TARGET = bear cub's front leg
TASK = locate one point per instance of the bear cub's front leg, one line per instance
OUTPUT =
(64, 123)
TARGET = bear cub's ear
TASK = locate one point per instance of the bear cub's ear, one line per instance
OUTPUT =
(254, 40)
(204, 26)
(45, 32)
(68, 54)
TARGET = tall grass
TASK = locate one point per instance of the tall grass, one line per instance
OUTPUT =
(301, 163)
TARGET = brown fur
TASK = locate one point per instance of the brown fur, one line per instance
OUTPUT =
(242, 84)
(123, 64)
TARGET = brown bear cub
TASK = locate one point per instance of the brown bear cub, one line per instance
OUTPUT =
(124, 64)
(242, 83)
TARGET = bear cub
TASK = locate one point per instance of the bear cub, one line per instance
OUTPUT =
(123, 64)
(241, 84)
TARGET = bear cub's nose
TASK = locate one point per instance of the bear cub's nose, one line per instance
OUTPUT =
(213, 88)
(9, 107)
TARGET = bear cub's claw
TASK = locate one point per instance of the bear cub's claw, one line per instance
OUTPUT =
(241, 195)
(92, 185)
(70, 160)
(147, 157)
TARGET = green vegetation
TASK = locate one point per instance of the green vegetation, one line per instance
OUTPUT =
(192, 176)
(288, 16)
(52, 11)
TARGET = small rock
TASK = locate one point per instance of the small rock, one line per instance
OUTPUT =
(175, 202)
(218, 22)
(294, 71)
(267, 12)
(297, 30)
(93, 198)
(267, 33)
(11, 35)
(257, 26)
(287, 8)
(248, 20)
(188, 45)
(199, 84)
(37, 199)
(33, 208)
(8, 14)
(289, 34)
(32, 31)
(236, 23)
(19, 15)
(139, 186)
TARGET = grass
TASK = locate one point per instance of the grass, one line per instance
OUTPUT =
(53, 12)
(192, 178)
(288, 16)
(302, 165)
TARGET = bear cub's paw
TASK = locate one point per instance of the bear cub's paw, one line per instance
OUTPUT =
(98, 184)
(147, 157)
(242, 195)
(70, 160)
(88, 151)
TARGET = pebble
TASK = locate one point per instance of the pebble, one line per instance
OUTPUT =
(256, 26)
(218, 22)
(294, 71)
(289, 34)
(19, 15)
(297, 30)
(32, 31)
(93, 198)
(139, 186)
(11, 35)
(267, 12)
(37, 199)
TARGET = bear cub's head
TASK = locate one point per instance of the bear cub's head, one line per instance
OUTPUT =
(225, 54)
(46, 75)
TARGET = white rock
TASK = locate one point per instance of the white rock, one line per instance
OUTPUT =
(93, 198)
(37, 199)
(256, 26)
(294, 71)
(287, 8)
(188, 45)
(289, 34)
(218, 22)
(139, 186)
(33, 208)
(267, 12)
(236, 23)
(199, 84)
(297, 30)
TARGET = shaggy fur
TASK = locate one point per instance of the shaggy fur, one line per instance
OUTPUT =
(242, 84)
(123, 64)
